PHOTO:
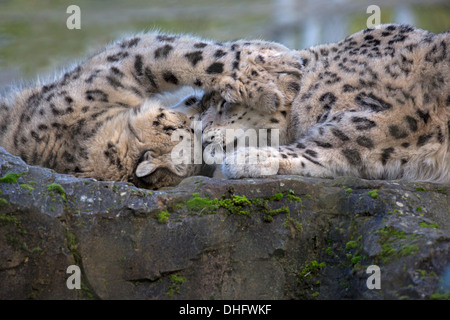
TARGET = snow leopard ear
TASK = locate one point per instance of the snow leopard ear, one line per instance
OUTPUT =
(145, 166)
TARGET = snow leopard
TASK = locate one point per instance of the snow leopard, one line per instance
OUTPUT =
(100, 119)
(375, 105)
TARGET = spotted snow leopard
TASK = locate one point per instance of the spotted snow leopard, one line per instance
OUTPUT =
(97, 120)
(375, 105)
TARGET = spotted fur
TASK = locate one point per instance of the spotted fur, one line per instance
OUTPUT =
(97, 120)
(375, 105)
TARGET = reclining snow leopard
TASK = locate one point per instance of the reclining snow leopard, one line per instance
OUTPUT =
(375, 105)
(96, 120)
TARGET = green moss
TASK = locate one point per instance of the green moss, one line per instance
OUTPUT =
(396, 243)
(391, 232)
(441, 190)
(291, 223)
(269, 214)
(201, 205)
(177, 206)
(276, 197)
(163, 217)
(8, 219)
(329, 251)
(373, 194)
(426, 225)
(72, 244)
(407, 250)
(420, 189)
(3, 202)
(57, 188)
(237, 205)
(37, 249)
(291, 197)
(87, 291)
(73, 248)
(140, 193)
(440, 296)
(348, 192)
(26, 186)
(14, 232)
(71, 240)
(307, 279)
(395, 211)
(354, 248)
(421, 272)
(356, 261)
(351, 245)
(387, 250)
(197, 202)
(11, 177)
(175, 281)
(311, 269)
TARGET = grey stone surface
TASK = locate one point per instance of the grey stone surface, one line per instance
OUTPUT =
(291, 237)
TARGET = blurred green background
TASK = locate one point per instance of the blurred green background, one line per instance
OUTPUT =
(34, 38)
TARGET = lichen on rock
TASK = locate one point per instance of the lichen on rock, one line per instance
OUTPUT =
(282, 237)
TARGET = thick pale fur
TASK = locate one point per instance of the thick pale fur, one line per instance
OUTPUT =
(97, 120)
(375, 105)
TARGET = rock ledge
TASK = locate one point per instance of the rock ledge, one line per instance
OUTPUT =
(284, 237)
